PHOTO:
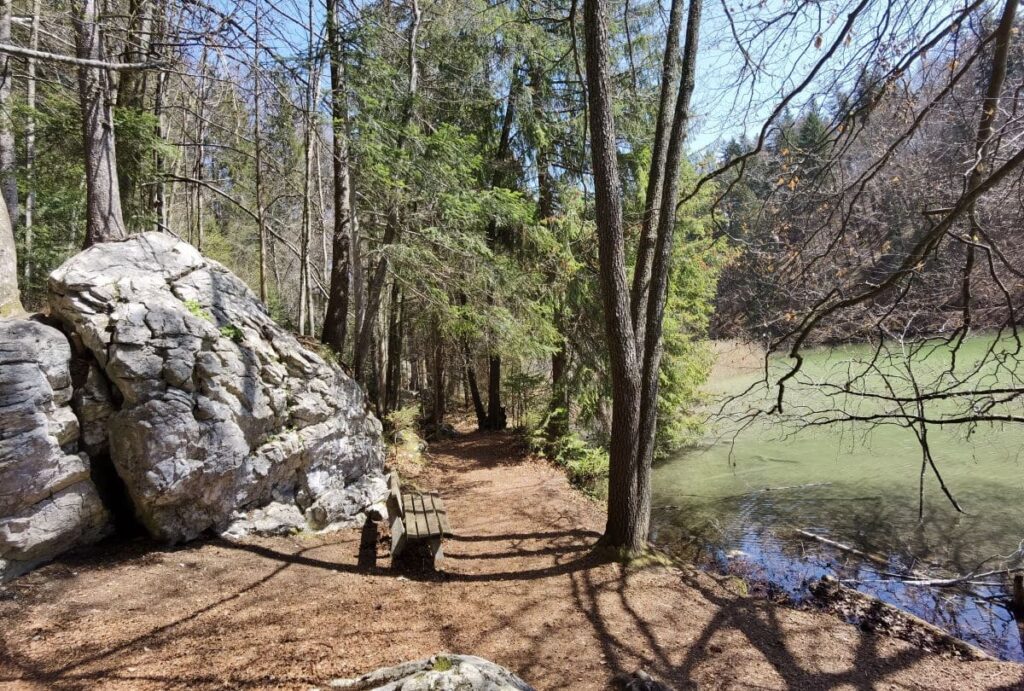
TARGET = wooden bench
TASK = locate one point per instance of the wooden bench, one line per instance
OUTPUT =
(416, 517)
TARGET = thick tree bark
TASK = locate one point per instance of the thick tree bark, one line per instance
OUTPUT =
(336, 319)
(8, 155)
(104, 222)
(626, 527)
(656, 176)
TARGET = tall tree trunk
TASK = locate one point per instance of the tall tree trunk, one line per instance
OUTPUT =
(391, 230)
(626, 527)
(8, 155)
(336, 320)
(558, 407)
(661, 265)
(393, 381)
(158, 198)
(474, 392)
(258, 152)
(199, 174)
(496, 417)
(656, 177)
(437, 413)
(471, 381)
(356, 286)
(10, 297)
(30, 144)
(199, 166)
(312, 74)
(104, 222)
(132, 85)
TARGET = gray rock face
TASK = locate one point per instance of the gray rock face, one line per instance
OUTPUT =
(220, 410)
(438, 673)
(48, 502)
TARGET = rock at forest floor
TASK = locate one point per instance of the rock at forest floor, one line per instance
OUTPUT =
(48, 503)
(215, 411)
(438, 673)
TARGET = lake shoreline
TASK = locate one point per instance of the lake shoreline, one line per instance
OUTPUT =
(828, 596)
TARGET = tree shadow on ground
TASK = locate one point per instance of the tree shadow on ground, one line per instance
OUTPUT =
(757, 621)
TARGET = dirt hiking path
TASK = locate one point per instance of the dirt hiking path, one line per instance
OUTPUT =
(520, 589)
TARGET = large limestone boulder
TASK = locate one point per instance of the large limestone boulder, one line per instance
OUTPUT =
(442, 672)
(214, 409)
(48, 502)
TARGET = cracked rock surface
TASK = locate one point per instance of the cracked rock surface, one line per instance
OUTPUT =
(221, 411)
(48, 502)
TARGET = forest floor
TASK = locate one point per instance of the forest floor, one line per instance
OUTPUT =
(521, 588)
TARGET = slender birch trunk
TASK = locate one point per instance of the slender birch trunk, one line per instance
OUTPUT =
(30, 143)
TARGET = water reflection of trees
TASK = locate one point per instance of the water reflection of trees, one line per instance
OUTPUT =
(752, 534)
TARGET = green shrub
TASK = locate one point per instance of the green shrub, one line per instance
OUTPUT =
(586, 465)
(401, 422)
(196, 310)
(233, 332)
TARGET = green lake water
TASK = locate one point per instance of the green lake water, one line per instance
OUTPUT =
(739, 497)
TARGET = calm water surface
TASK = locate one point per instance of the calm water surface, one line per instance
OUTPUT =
(739, 498)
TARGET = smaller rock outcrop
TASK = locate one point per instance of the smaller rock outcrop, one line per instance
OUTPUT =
(48, 503)
(438, 673)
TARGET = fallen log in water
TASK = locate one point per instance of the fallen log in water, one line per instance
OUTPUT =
(877, 559)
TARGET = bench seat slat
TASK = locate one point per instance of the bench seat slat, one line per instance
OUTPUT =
(442, 514)
(413, 515)
(433, 526)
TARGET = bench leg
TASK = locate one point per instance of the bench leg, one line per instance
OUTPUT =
(397, 537)
(435, 549)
